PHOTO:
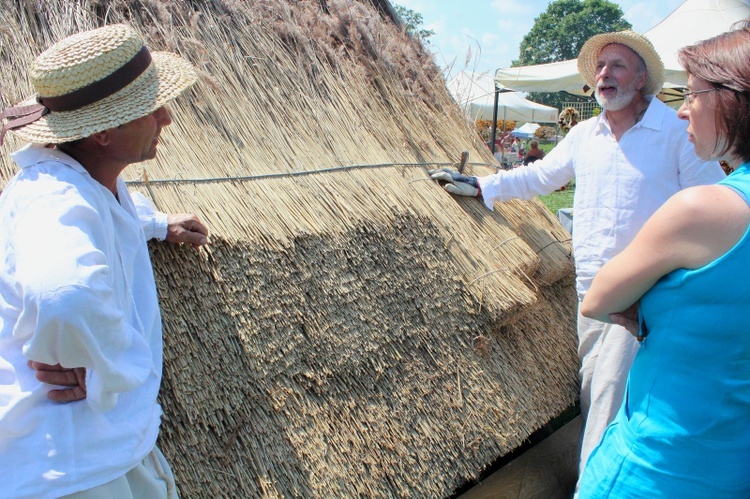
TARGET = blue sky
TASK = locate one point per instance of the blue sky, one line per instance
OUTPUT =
(488, 32)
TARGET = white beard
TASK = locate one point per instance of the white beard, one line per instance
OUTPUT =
(620, 101)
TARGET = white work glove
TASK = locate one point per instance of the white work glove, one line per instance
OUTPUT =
(456, 183)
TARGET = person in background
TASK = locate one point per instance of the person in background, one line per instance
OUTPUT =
(682, 430)
(534, 153)
(514, 145)
(79, 316)
(626, 162)
(498, 153)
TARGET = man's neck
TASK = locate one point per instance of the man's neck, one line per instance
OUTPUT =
(624, 119)
(103, 171)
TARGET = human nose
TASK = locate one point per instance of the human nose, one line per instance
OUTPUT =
(163, 117)
(684, 111)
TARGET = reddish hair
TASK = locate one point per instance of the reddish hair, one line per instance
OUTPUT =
(724, 62)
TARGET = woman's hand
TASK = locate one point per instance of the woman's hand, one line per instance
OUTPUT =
(628, 318)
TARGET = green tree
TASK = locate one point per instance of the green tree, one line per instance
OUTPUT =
(559, 33)
(413, 22)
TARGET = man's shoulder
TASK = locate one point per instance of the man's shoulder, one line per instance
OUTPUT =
(663, 118)
(50, 179)
(583, 128)
(50, 171)
(589, 122)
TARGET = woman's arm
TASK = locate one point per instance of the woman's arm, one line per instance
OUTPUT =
(691, 229)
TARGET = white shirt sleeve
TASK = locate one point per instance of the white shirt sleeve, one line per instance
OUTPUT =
(74, 303)
(694, 171)
(540, 177)
(154, 223)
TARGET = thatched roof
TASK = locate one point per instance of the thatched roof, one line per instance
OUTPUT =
(351, 329)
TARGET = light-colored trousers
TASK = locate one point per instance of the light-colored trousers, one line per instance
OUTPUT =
(606, 352)
(151, 479)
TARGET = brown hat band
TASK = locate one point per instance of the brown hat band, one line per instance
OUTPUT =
(105, 87)
(21, 116)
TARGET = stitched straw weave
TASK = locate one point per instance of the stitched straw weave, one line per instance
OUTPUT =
(588, 58)
(63, 68)
(69, 64)
(351, 330)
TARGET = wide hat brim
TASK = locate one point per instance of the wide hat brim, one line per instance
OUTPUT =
(166, 78)
(587, 59)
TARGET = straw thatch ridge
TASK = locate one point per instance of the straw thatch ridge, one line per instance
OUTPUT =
(351, 329)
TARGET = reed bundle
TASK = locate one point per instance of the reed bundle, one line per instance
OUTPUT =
(351, 329)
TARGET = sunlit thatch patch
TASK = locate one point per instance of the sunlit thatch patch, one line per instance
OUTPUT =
(351, 329)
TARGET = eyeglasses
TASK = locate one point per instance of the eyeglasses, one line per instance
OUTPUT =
(687, 95)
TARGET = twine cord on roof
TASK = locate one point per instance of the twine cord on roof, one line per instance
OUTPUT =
(507, 241)
(507, 271)
(178, 176)
(144, 176)
(553, 242)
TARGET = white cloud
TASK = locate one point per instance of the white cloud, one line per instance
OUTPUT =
(645, 15)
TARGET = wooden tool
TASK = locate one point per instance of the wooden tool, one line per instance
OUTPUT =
(464, 160)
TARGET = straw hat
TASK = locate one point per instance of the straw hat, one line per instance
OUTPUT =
(93, 81)
(638, 43)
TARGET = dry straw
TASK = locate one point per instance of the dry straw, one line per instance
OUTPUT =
(351, 329)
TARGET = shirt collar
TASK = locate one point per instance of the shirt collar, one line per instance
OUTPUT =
(652, 118)
(655, 112)
(32, 154)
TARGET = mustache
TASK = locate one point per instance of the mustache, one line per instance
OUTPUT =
(607, 83)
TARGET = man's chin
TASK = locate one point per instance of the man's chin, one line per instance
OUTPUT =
(151, 154)
(611, 104)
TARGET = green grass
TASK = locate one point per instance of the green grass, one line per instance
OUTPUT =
(547, 147)
(559, 199)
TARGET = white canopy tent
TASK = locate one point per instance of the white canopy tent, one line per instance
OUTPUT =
(475, 94)
(527, 130)
(692, 21)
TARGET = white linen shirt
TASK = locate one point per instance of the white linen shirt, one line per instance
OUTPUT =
(619, 184)
(154, 223)
(76, 288)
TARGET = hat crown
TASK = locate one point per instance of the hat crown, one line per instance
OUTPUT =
(82, 59)
(587, 59)
(93, 81)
